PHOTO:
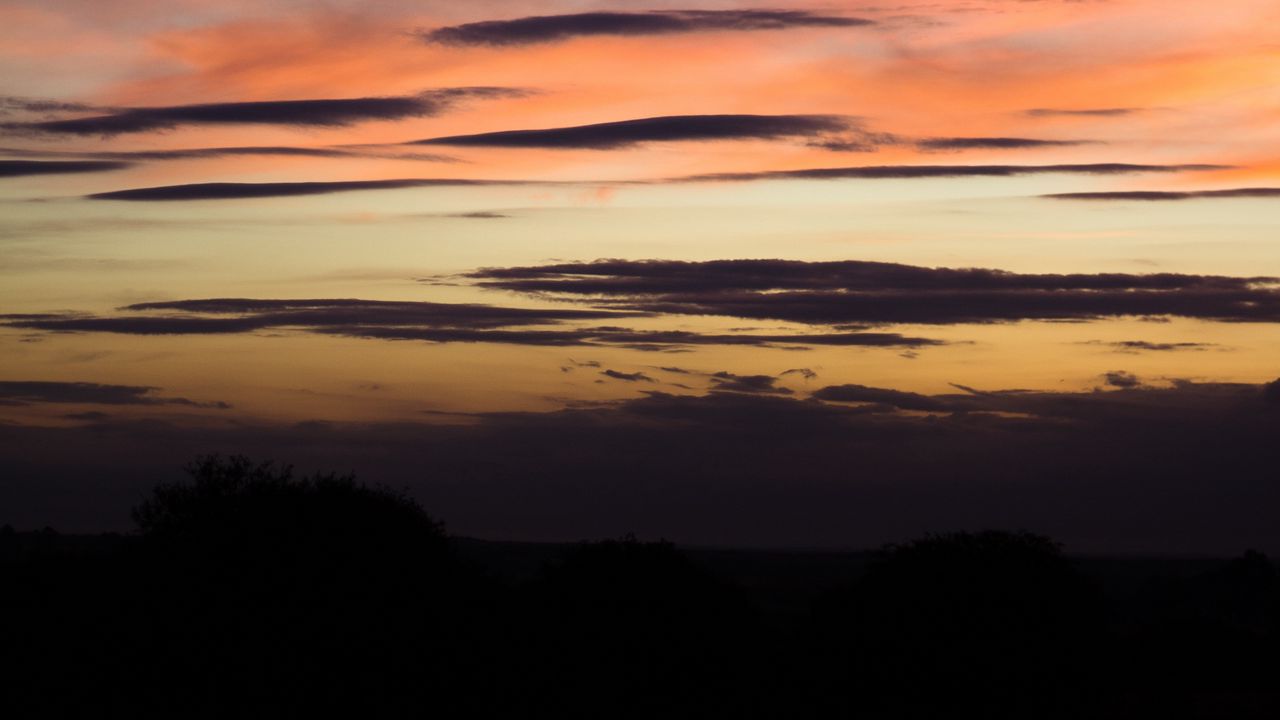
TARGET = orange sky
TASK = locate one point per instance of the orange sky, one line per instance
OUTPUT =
(1123, 81)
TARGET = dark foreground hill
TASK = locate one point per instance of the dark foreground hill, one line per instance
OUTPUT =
(251, 593)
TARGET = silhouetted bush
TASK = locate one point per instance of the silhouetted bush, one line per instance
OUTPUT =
(1205, 645)
(1271, 392)
(626, 629)
(993, 622)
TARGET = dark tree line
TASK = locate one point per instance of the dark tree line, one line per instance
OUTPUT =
(251, 592)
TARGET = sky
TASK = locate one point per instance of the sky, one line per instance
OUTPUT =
(796, 274)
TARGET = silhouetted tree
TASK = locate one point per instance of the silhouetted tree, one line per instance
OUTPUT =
(266, 591)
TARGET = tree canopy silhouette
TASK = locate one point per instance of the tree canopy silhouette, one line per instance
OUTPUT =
(234, 504)
(992, 621)
(284, 590)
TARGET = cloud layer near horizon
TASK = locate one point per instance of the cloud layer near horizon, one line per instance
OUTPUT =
(1170, 469)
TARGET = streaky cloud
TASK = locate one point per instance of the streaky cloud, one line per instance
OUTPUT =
(858, 292)
(1133, 346)
(220, 152)
(641, 340)
(34, 392)
(328, 112)
(1081, 112)
(1168, 195)
(907, 172)
(237, 190)
(341, 311)
(241, 191)
(554, 28)
(993, 143)
(671, 128)
(427, 322)
(11, 103)
(24, 168)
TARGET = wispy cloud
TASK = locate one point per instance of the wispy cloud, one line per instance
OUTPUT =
(321, 112)
(1135, 346)
(555, 28)
(10, 104)
(993, 143)
(628, 377)
(673, 128)
(725, 381)
(1168, 195)
(237, 190)
(35, 392)
(22, 168)
(906, 172)
(427, 322)
(869, 292)
(209, 153)
(898, 399)
(240, 191)
(1081, 112)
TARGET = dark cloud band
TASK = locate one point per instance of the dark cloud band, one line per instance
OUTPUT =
(427, 322)
(22, 168)
(315, 113)
(907, 172)
(554, 28)
(241, 191)
(624, 133)
(211, 153)
(11, 103)
(232, 191)
(641, 340)
(34, 392)
(993, 143)
(884, 293)
(1169, 195)
(1081, 112)
(1136, 346)
(831, 132)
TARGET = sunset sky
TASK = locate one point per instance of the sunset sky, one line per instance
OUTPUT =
(807, 274)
